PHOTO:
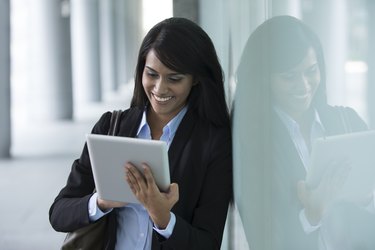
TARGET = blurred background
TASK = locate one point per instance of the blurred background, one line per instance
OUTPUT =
(65, 62)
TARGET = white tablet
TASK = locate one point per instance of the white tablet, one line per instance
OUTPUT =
(108, 156)
(357, 150)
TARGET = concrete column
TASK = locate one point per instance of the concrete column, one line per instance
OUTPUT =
(286, 7)
(86, 50)
(329, 20)
(120, 42)
(128, 37)
(5, 123)
(186, 8)
(371, 63)
(51, 77)
(133, 35)
(108, 45)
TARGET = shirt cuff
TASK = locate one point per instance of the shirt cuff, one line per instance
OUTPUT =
(94, 211)
(307, 227)
(167, 232)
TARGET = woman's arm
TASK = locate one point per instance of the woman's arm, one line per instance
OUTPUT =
(69, 210)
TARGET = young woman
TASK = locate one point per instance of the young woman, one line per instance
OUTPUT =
(281, 108)
(178, 98)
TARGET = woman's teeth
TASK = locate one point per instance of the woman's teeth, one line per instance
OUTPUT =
(301, 96)
(162, 99)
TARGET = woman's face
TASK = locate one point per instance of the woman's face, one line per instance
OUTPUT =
(166, 89)
(294, 89)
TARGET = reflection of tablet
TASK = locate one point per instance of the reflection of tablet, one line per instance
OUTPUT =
(109, 154)
(358, 149)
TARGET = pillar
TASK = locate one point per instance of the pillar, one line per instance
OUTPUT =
(51, 78)
(120, 42)
(108, 45)
(86, 50)
(133, 35)
(371, 63)
(128, 38)
(186, 8)
(286, 7)
(329, 20)
(5, 123)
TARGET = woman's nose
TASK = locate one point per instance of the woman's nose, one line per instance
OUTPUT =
(160, 86)
(304, 83)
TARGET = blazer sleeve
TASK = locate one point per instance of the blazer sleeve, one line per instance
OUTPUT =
(69, 210)
(205, 228)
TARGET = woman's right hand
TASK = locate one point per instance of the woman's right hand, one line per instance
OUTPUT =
(317, 200)
(105, 205)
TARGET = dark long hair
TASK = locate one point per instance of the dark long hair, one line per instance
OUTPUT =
(277, 45)
(184, 47)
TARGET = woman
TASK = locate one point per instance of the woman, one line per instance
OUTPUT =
(178, 98)
(282, 84)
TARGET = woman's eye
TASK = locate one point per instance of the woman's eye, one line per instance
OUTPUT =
(288, 76)
(152, 74)
(175, 79)
(312, 69)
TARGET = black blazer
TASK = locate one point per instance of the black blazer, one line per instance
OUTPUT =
(200, 158)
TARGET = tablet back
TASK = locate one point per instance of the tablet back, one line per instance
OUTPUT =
(356, 151)
(108, 156)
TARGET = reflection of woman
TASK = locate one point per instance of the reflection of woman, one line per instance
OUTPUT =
(282, 77)
(178, 98)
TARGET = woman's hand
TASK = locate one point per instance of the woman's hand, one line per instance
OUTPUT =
(317, 200)
(158, 204)
(105, 205)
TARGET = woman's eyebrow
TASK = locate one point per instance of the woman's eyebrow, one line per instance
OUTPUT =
(148, 67)
(170, 74)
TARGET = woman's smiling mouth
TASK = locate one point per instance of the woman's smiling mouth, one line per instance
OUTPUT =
(161, 99)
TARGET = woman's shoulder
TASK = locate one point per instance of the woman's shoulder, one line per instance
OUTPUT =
(102, 125)
(342, 116)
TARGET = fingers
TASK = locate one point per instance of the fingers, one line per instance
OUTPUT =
(173, 193)
(148, 175)
(302, 192)
(134, 178)
(137, 181)
(105, 205)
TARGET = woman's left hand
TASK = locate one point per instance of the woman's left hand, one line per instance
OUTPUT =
(158, 204)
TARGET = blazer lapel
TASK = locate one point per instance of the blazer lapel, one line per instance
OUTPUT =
(130, 121)
(182, 136)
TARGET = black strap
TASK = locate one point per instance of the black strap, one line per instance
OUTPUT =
(114, 122)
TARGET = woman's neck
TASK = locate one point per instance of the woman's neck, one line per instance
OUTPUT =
(156, 123)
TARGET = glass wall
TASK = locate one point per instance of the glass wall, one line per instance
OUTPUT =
(300, 92)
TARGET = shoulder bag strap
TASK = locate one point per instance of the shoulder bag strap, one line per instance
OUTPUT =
(345, 120)
(114, 122)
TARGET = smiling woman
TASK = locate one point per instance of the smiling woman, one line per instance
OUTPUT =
(282, 108)
(179, 99)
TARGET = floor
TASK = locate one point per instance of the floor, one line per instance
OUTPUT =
(42, 154)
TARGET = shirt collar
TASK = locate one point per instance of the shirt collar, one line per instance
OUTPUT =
(169, 129)
(293, 126)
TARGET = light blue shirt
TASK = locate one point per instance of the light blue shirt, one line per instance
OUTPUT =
(134, 226)
(317, 130)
